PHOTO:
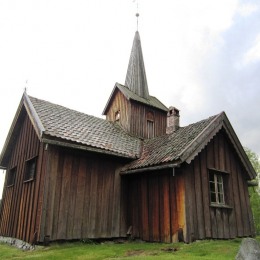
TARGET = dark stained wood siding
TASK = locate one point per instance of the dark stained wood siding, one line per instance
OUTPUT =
(139, 117)
(203, 220)
(134, 116)
(156, 206)
(21, 209)
(82, 196)
(120, 103)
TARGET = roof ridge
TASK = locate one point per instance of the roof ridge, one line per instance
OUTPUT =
(67, 108)
(214, 119)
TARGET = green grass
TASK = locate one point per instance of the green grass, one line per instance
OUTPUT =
(207, 249)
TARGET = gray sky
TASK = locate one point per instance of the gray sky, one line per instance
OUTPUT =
(201, 56)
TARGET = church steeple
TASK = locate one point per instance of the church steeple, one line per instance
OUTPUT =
(136, 77)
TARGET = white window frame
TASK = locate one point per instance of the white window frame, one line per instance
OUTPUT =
(216, 188)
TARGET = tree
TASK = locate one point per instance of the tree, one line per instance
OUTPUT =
(253, 191)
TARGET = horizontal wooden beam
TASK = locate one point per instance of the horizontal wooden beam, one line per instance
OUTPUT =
(151, 168)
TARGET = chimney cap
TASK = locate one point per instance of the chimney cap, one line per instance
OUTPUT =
(173, 111)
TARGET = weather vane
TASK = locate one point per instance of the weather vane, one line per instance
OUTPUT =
(26, 84)
(137, 13)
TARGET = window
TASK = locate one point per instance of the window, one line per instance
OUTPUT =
(150, 129)
(218, 186)
(150, 124)
(216, 189)
(117, 115)
(30, 169)
(11, 177)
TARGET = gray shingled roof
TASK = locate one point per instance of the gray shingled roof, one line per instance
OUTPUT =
(169, 148)
(70, 125)
(150, 101)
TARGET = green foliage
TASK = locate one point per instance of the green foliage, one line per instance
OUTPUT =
(254, 192)
(255, 204)
(254, 159)
(206, 249)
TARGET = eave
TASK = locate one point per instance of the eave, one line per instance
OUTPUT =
(73, 145)
(221, 121)
(151, 168)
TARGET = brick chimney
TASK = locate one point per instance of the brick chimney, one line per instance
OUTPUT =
(173, 120)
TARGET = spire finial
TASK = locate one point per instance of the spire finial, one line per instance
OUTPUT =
(137, 14)
(26, 86)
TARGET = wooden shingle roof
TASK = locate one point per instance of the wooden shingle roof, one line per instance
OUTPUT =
(184, 144)
(169, 147)
(61, 126)
(69, 125)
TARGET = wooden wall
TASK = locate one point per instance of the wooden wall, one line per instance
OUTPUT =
(82, 196)
(155, 206)
(120, 103)
(203, 220)
(21, 203)
(138, 123)
(133, 116)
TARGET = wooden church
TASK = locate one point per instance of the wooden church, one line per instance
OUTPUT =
(138, 173)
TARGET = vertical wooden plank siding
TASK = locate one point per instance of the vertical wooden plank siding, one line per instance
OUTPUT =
(205, 193)
(19, 201)
(199, 199)
(138, 123)
(153, 208)
(133, 116)
(82, 200)
(162, 208)
(80, 195)
(166, 209)
(187, 173)
(229, 193)
(120, 103)
(244, 211)
(181, 210)
(210, 221)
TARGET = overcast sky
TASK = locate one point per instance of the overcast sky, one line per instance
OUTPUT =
(201, 56)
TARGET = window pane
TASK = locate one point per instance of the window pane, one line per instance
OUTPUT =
(220, 187)
(221, 198)
(213, 197)
(30, 169)
(212, 186)
(211, 177)
(11, 177)
(219, 179)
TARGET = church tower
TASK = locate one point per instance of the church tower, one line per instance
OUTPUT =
(131, 106)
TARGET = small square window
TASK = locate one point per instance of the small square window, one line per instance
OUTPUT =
(11, 177)
(30, 169)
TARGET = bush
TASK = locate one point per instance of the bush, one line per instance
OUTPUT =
(255, 205)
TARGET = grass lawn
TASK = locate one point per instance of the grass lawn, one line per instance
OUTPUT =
(207, 249)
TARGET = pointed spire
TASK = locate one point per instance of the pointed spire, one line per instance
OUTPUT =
(136, 77)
